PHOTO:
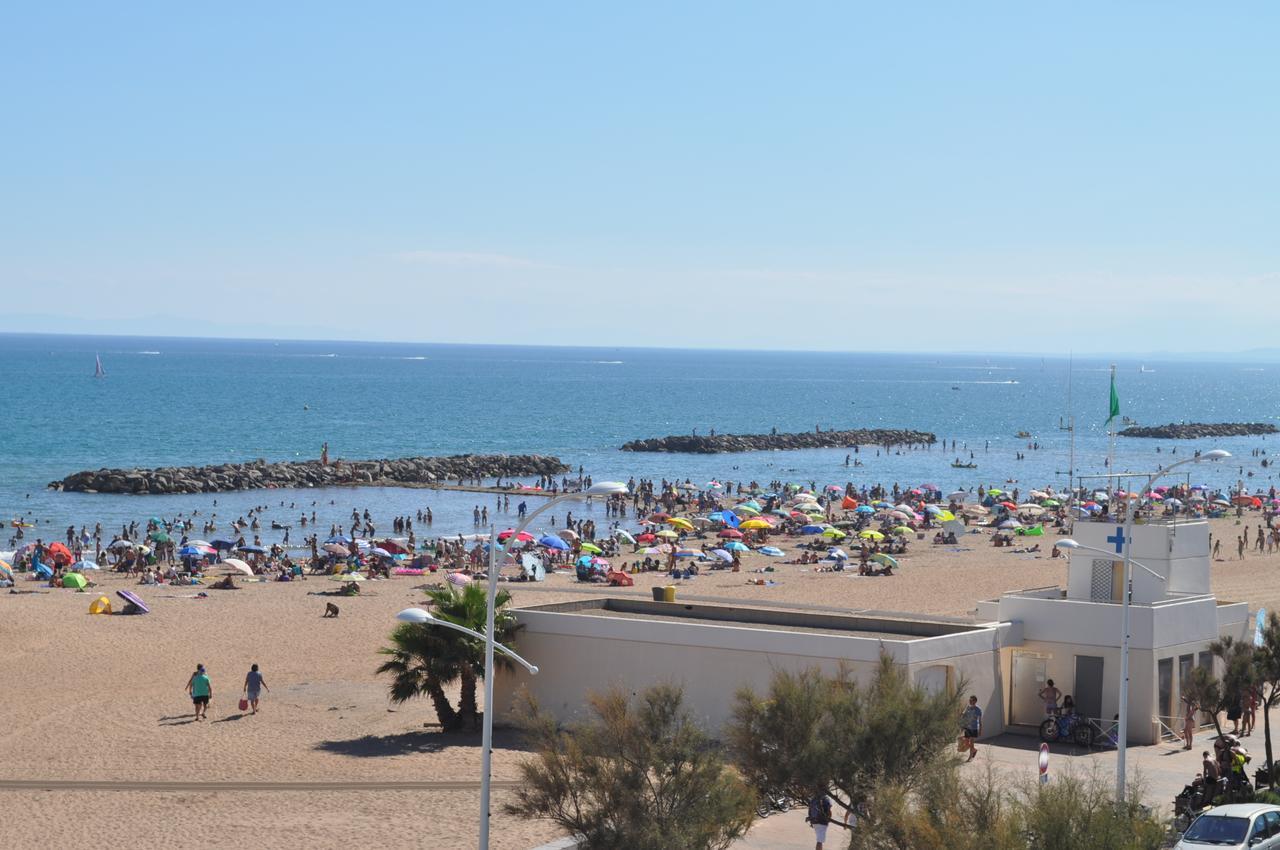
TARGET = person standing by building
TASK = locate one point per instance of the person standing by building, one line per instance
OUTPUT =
(971, 727)
(1050, 694)
(201, 690)
(253, 685)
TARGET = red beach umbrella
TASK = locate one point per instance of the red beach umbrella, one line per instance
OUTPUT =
(730, 534)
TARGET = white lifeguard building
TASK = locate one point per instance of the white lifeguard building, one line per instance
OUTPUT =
(1005, 653)
(1073, 635)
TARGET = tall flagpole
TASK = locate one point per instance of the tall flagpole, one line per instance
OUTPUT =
(1111, 453)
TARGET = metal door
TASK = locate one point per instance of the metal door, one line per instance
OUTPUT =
(1029, 675)
(1088, 686)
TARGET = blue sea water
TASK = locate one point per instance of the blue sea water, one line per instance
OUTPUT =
(194, 401)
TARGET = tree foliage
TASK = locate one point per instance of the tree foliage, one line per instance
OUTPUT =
(425, 658)
(980, 812)
(813, 733)
(639, 775)
(1266, 661)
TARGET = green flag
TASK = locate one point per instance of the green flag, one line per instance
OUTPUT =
(1115, 400)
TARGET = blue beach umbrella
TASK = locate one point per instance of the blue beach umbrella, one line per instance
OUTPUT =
(191, 552)
(772, 551)
(552, 541)
(812, 529)
(221, 544)
(865, 509)
(257, 550)
(339, 538)
(735, 546)
(722, 555)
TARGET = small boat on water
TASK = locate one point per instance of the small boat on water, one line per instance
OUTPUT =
(1023, 434)
(98, 371)
(964, 466)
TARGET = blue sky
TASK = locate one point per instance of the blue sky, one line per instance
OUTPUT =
(1022, 177)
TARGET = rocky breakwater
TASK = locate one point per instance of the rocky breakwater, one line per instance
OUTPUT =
(259, 475)
(721, 443)
(1199, 430)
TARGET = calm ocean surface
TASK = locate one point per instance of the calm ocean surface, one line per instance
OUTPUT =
(184, 401)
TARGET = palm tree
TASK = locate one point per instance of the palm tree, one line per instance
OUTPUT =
(425, 659)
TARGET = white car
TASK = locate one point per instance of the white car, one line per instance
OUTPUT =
(1255, 826)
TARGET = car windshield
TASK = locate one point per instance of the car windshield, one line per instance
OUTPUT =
(1210, 829)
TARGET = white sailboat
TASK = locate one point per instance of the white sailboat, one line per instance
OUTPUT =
(98, 371)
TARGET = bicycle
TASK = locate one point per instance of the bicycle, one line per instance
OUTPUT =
(1071, 727)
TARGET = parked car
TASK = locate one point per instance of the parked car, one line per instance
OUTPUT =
(1255, 826)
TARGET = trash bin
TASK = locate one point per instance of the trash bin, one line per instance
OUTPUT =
(659, 594)
(669, 593)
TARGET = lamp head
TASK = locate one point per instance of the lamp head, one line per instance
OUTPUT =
(606, 488)
(414, 615)
(1216, 454)
(1068, 543)
(533, 668)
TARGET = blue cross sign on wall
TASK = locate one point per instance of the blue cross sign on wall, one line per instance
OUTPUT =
(1118, 539)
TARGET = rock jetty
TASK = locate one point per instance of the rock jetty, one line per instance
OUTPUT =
(1198, 430)
(720, 443)
(259, 475)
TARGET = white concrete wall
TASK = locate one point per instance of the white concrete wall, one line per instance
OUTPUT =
(1179, 552)
(578, 654)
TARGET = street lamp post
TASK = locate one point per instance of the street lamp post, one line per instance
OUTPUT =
(604, 488)
(1127, 544)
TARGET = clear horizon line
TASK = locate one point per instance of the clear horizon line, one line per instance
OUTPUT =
(920, 351)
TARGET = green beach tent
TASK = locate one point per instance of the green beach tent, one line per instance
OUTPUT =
(74, 580)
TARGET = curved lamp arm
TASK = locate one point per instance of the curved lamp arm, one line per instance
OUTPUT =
(604, 488)
(1074, 546)
(422, 617)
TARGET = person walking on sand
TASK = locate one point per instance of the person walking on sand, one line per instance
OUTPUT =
(971, 726)
(201, 691)
(253, 685)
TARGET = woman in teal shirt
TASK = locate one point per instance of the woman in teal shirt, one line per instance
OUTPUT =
(201, 691)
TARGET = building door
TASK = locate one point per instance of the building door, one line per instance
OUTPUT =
(1029, 675)
(1164, 689)
(1088, 686)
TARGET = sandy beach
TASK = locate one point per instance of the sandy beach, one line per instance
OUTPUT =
(101, 698)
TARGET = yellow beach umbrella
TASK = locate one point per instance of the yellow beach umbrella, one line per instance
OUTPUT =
(944, 516)
(834, 534)
(870, 535)
(680, 522)
(902, 529)
(668, 533)
(590, 547)
(755, 523)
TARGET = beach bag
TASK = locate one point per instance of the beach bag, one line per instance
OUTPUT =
(244, 705)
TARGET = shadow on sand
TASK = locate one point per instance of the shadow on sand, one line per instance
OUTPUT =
(426, 741)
